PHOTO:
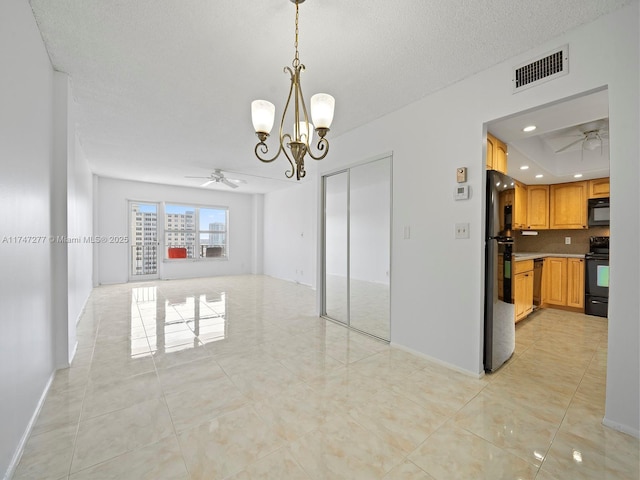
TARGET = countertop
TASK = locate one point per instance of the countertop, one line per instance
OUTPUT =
(532, 256)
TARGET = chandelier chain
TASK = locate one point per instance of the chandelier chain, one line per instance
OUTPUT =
(296, 59)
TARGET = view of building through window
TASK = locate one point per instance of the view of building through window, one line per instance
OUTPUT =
(189, 232)
(195, 232)
(144, 239)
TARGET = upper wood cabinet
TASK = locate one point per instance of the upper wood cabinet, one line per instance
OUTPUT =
(496, 154)
(537, 207)
(520, 207)
(568, 205)
(599, 188)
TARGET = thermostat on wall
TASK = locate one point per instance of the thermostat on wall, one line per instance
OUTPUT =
(461, 192)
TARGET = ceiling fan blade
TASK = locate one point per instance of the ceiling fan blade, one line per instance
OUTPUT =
(207, 183)
(570, 145)
(189, 176)
(228, 183)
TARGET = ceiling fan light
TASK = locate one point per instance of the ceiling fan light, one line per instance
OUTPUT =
(592, 142)
(322, 107)
(262, 115)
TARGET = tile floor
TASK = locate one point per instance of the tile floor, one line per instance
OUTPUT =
(234, 378)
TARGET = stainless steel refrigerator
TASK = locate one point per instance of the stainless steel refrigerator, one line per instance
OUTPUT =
(499, 314)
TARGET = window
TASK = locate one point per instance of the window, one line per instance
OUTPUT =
(196, 232)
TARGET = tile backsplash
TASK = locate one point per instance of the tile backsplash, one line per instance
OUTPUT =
(553, 241)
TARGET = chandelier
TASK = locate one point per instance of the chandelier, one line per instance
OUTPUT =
(301, 137)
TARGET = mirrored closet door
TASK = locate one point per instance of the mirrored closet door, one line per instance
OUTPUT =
(357, 247)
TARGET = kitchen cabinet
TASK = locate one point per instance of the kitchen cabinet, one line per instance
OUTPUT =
(523, 289)
(563, 282)
(520, 206)
(568, 205)
(496, 154)
(599, 188)
(575, 283)
(554, 281)
(537, 207)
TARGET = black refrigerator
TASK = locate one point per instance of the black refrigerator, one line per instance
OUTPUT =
(499, 311)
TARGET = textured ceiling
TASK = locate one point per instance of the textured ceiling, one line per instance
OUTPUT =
(164, 87)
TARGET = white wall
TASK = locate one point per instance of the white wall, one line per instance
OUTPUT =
(45, 191)
(79, 225)
(112, 220)
(26, 343)
(290, 232)
(437, 291)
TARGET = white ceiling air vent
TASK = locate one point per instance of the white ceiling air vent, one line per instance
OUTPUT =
(542, 69)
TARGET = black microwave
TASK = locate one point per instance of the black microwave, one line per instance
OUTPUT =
(598, 212)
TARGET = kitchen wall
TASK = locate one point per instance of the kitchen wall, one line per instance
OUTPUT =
(553, 241)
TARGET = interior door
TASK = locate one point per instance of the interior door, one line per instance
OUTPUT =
(370, 247)
(143, 241)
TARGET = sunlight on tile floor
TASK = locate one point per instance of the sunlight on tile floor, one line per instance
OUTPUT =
(234, 377)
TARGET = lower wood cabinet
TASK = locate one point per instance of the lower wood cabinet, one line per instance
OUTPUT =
(575, 282)
(563, 282)
(523, 289)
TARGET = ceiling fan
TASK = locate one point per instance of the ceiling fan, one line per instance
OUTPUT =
(591, 136)
(218, 177)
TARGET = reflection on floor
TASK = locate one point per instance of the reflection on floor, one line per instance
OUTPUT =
(235, 378)
(370, 304)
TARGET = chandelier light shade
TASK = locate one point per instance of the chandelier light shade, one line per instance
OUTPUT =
(297, 143)
(262, 114)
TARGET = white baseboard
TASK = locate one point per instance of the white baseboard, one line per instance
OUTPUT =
(25, 436)
(621, 428)
(438, 361)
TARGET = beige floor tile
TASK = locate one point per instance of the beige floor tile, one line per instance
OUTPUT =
(60, 409)
(158, 461)
(408, 471)
(189, 375)
(104, 398)
(594, 453)
(295, 411)
(452, 452)
(227, 444)
(47, 456)
(342, 449)
(107, 436)
(278, 465)
(258, 387)
(396, 419)
(202, 403)
(508, 426)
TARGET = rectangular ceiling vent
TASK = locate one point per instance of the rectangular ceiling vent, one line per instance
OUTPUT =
(542, 69)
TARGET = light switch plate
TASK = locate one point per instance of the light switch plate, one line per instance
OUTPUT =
(461, 174)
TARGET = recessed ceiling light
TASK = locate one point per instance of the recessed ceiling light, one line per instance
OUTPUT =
(529, 128)
(524, 167)
(539, 175)
(577, 175)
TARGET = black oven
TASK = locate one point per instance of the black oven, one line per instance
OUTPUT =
(598, 212)
(596, 277)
